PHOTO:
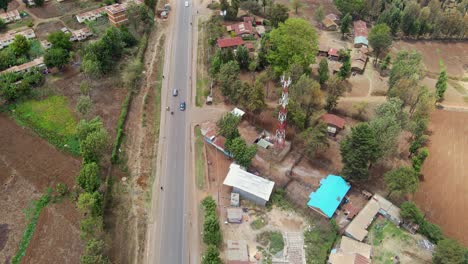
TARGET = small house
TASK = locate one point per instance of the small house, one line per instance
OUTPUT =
(249, 186)
(333, 54)
(333, 18)
(237, 252)
(361, 41)
(350, 251)
(209, 131)
(91, 15)
(260, 30)
(326, 199)
(234, 215)
(329, 24)
(323, 50)
(335, 123)
(28, 66)
(10, 16)
(242, 29)
(235, 42)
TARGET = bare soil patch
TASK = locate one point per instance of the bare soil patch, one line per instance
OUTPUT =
(443, 194)
(453, 54)
(28, 165)
(12, 5)
(48, 10)
(44, 29)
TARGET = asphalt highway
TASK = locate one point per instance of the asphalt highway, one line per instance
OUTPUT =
(171, 236)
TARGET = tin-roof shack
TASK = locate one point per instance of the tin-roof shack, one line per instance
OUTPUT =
(334, 122)
(230, 42)
(249, 186)
(234, 215)
(242, 29)
(351, 251)
(36, 63)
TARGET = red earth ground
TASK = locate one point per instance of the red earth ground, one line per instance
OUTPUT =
(443, 194)
(28, 165)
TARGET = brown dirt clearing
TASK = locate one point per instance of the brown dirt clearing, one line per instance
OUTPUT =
(443, 194)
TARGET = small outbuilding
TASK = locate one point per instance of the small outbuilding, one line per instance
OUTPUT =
(326, 199)
(329, 24)
(333, 54)
(237, 252)
(234, 215)
(249, 186)
(334, 122)
(230, 42)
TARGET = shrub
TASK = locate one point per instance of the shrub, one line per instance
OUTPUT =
(61, 189)
(211, 230)
(90, 177)
(431, 231)
(91, 227)
(84, 105)
(91, 203)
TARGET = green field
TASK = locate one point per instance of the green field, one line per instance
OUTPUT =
(52, 119)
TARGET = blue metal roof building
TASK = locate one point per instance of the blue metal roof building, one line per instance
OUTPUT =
(359, 41)
(329, 195)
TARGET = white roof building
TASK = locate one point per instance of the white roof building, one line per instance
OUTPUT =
(237, 112)
(10, 16)
(8, 38)
(248, 185)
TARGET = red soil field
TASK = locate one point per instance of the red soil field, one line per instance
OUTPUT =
(443, 195)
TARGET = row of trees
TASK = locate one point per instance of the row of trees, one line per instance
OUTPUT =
(211, 232)
(428, 19)
(93, 139)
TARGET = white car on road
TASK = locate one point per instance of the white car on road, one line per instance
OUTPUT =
(186, 3)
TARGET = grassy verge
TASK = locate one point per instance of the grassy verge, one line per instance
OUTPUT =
(273, 240)
(52, 119)
(199, 159)
(460, 89)
(32, 215)
(318, 242)
(259, 223)
(202, 78)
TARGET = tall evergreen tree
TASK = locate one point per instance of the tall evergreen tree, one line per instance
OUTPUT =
(358, 151)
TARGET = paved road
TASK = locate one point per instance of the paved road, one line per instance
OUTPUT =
(171, 236)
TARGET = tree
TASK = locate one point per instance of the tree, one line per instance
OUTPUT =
(91, 203)
(319, 14)
(251, 6)
(295, 71)
(241, 153)
(89, 178)
(449, 251)
(2, 23)
(278, 14)
(295, 41)
(380, 39)
(56, 57)
(60, 40)
(228, 79)
(227, 126)
(296, 5)
(406, 72)
(441, 85)
(387, 126)
(345, 69)
(358, 151)
(401, 181)
(323, 71)
(211, 230)
(91, 227)
(39, 2)
(349, 6)
(4, 4)
(335, 89)
(431, 231)
(84, 127)
(20, 45)
(94, 253)
(307, 93)
(242, 56)
(392, 17)
(94, 145)
(256, 98)
(410, 212)
(409, 19)
(211, 256)
(296, 115)
(209, 204)
(314, 139)
(84, 104)
(345, 24)
(419, 159)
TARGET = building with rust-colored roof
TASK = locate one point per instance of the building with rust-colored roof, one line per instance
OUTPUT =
(8, 38)
(230, 42)
(334, 122)
(37, 63)
(242, 29)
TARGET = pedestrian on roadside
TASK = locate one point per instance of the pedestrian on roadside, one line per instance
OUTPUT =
(163, 76)
(162, 189)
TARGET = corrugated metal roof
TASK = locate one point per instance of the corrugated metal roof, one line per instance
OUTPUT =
(248, 182)
(329, 195)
